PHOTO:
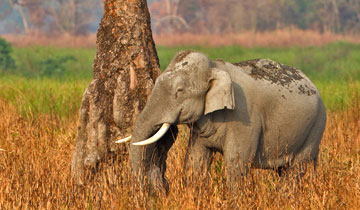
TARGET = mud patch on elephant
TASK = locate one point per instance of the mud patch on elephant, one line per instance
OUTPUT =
(272, 71)
(265, 69)
(306, 90)
(181, 55)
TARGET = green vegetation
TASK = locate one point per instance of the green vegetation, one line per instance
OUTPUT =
(51, 80)
(59, 98)
(6, 61)
(55, 66)
(66, 63)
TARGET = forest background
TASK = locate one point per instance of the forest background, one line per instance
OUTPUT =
(75, 17)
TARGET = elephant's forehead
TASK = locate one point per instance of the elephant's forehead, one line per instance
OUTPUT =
(192, 72)
(189, 61)
(172, 80)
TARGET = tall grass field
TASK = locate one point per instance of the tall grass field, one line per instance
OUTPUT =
(39, 102)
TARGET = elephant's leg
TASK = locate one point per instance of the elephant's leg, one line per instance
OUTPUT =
(198, 157)
(239, 152)
(310, 151)
(235, 168)
(156, 172)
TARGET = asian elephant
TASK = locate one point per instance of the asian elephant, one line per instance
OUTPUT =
(257, 113)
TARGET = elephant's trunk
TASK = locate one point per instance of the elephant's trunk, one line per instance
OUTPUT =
(145, 126)
(139, 155)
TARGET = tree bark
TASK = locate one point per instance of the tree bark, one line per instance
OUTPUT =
(124, 71)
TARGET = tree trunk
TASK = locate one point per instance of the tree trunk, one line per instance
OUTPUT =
(335, 18)
(20, 9)
(124, 71)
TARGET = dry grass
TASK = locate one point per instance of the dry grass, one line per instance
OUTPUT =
(58, 41)
(35, 172)
(277, 38)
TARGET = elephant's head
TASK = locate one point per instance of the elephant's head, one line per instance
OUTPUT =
(190, 87)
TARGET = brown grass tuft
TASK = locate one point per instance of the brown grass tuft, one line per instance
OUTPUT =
(56, 41)
(35, 172)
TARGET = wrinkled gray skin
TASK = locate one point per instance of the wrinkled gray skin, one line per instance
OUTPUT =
(257, 113)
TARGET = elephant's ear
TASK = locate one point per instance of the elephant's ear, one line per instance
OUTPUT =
(220, 94)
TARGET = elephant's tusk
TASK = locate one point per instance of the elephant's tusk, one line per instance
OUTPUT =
(123, 140)
(155, 137)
